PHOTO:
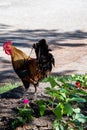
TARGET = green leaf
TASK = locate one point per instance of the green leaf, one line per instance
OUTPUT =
(76, 110)
(61, 127)
(42, 106)
(81, 118)
(64, 95)
(42, 109)
(52, 92)
(57, 112)
(57, 128)
(82, 92)
(21, 120)
(80, 128)
(56, 125)
(77, 99)
(68, 109)
(52, 80)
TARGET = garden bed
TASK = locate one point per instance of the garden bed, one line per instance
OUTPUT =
(61, 102)
(8, 109)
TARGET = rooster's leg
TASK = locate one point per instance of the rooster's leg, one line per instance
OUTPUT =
(26, 84)
(34, 82)
(35, 93)
(35, 86)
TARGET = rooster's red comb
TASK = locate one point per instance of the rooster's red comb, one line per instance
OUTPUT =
(7, 43)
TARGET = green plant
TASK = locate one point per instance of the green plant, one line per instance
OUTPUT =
(23, 116)
(64, 101)
(8, 86)
(81, 79)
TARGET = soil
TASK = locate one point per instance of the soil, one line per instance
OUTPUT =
(12, 99)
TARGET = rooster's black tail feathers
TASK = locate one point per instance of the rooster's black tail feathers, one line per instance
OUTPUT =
(44, 57)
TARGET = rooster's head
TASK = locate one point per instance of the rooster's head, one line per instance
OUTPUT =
(7, 47)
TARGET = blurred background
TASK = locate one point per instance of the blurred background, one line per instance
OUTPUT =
(64, 15)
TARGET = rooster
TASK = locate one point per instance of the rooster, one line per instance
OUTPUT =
(31, 70)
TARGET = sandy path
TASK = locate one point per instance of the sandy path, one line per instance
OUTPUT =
(62, 23)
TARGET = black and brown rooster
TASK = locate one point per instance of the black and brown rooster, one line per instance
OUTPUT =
(31, 70)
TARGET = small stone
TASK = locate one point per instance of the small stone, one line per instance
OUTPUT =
(19, 128)
(44, 128)
(50, 125)
(34, 128)
(27, 127)
(39, 122)
(30, 127)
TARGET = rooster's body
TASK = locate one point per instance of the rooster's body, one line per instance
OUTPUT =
(28, 69)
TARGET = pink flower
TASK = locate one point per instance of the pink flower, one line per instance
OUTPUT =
(26, 101)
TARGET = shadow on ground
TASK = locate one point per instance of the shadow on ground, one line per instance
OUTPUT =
(14, 93)
(26, 38)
